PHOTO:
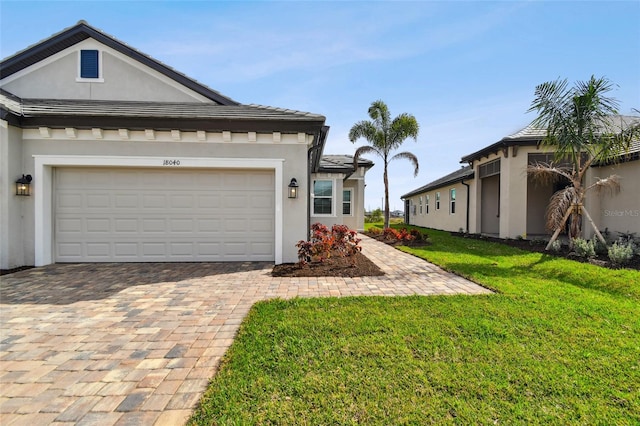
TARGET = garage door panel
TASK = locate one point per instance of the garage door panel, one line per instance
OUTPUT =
(69, 225)
(125, 250)
(97, 225)
(125, 225)
(159, 215)
(154, 201)
(69, 250)
(98, 201)
(71, 201)
(126, 201)
(98, 250)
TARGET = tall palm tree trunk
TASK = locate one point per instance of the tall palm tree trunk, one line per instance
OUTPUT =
(386, 196)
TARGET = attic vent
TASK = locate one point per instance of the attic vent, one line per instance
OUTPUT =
(89, 65)
(489, 169)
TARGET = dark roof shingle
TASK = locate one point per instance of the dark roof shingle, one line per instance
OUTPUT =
(459, 175)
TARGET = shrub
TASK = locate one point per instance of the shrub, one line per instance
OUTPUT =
(584, 248)
(620, 252)
(556, 246)
(599, 246)
(418, 236)
(345, 240)
(375, 231)
(323, 242)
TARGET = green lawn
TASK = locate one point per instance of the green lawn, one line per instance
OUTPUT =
(559, 343)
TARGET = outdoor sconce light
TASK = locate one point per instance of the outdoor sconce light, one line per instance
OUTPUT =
(293, 188)
(23, 185)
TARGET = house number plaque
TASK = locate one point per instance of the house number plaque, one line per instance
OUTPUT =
(171, 163)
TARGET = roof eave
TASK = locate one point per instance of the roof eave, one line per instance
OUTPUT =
(498, 146)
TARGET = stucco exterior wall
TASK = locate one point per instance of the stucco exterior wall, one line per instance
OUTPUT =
(615, 212)
(122, 79)
(441, 218)
(59, 143)
(12, 207)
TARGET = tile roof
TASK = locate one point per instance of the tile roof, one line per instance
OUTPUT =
(156, 115)
(344, 163)
(531, 135)
(465, 172)
(94, 108)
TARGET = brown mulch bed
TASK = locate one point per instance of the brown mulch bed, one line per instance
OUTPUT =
(336, 266)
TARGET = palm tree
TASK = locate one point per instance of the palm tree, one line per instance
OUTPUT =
(385, 135)
(583, 128)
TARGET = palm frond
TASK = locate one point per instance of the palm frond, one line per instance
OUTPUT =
(559, 203)
(547, 173)
(366, 149)
(363, 129)
(402, 127)
(408, 156)
(610, 185)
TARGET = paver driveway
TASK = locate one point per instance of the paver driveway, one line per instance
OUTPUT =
(136, 343)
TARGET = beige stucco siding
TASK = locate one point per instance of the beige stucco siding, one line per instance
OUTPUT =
(615, 212)
(111, 145)
(121, 79)
(429, 216)
(14, 209)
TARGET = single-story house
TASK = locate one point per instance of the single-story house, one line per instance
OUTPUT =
(492, 194)
(108, 155)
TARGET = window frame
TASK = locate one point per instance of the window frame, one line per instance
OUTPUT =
(79, 77)
(438, 200)
(420, 204)
(426, 204)
(452, 201)
(331, 198)
(350, 191)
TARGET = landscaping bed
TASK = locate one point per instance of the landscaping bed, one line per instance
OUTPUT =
(357, 265)
(538, 246)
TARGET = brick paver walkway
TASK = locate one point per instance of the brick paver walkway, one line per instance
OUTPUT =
(112, 344)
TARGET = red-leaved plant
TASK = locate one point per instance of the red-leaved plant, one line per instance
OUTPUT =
(324, 242)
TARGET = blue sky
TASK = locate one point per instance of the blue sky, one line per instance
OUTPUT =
(466, 70)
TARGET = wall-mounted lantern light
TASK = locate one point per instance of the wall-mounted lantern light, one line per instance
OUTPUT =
(23, 185)
(293, 188)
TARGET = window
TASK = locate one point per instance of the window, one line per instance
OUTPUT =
(89, 64)
(437, 201)
(420, 204)
(426, 204)
(346, 202)
(452, 200)
(322, 197)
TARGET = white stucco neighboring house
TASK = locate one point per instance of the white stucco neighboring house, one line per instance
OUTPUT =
(132, 161)
(495, 196)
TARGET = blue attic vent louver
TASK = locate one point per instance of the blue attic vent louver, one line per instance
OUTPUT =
(89, 64)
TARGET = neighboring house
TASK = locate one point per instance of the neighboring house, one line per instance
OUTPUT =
(504, 201)
(133, 161)
(441, 204)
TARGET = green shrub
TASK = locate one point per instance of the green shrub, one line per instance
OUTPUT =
(584, 248)
(599, 246)
(556, 246)
(621, 252)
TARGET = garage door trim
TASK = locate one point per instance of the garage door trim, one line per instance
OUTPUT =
(43, 188)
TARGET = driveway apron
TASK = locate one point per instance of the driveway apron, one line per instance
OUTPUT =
(118, 344)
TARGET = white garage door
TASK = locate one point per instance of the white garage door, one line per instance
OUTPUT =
(158, 215)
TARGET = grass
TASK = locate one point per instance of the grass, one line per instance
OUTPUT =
(559, 343)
